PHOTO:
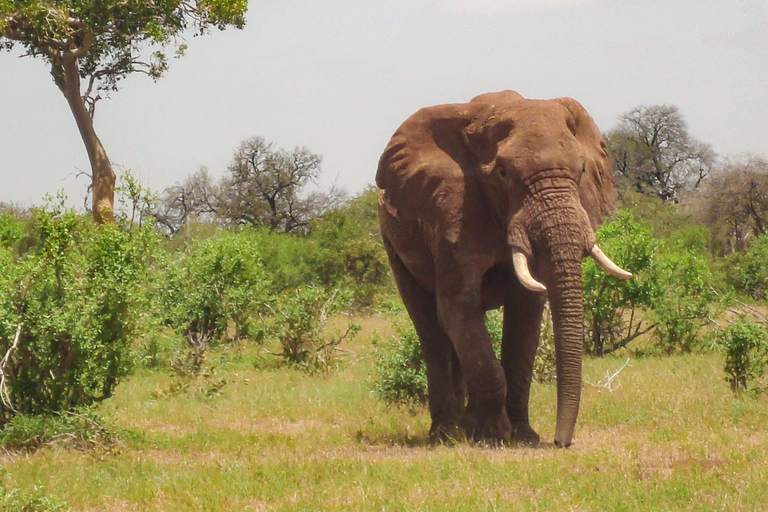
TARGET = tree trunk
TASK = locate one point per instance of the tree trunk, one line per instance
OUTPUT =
(102, 176)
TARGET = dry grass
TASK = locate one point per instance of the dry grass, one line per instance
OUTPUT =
(671, 436)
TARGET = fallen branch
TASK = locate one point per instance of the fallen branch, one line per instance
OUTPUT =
(607, 381)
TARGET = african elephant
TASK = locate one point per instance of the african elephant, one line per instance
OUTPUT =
(491, 203)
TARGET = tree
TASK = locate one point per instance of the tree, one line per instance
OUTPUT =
(91, 46)
(264, 185)
(194, 199)
(734, 203)
(653, 152)
(615, 309)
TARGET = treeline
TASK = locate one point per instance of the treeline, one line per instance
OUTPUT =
(265, 256)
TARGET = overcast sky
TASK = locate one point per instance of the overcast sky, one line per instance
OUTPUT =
(339, 76)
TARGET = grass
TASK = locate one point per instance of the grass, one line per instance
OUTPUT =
(670, 436)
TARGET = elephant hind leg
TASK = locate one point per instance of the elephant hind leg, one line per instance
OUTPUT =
(446, 387)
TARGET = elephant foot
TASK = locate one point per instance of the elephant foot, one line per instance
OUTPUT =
(493, 427)
(444, 432)
(524, 434)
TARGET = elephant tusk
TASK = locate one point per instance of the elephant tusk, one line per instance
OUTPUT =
(520, 263)
(604, 261)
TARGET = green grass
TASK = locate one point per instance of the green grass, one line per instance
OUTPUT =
(670, 436)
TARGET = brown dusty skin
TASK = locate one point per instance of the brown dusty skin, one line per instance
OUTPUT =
(462, 186)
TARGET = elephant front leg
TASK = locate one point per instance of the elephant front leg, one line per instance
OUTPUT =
(520, 338)
(484, 416)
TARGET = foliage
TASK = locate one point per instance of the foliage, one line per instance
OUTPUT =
(110, 38)
(611, 306)
(746, 354)
(12, 500)
(298, 323)
(653, 153)
(69, 308)
(752, 269)
(215, 282)
(82, 429)
(685, 303)
(348, 251)
(400, 373)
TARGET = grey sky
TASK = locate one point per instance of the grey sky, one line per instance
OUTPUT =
(339, 76)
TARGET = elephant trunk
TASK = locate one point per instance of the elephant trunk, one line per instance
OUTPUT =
(554, 229)
(568, 322)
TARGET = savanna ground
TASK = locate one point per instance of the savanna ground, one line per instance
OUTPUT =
(669, 436)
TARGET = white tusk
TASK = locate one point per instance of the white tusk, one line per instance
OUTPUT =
(520, 263)
(605, 262)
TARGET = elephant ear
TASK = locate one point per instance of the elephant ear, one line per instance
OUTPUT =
(596, 187)
(426, 159)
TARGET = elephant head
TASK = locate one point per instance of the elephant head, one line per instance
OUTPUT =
(541, 170)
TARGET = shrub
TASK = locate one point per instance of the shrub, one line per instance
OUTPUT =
(610, 304)
(349, 252)
(753, 269)
(69, 309)
(401, 375)
(746, 354)
(298, 323)
(218, 281)
(685, 301)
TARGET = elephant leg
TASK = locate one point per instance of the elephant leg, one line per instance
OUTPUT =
(520, 338)
(463, 319)
(444, 381)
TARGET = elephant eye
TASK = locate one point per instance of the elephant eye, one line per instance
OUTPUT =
(502, 172)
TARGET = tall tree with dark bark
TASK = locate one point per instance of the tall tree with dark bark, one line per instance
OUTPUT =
(91, 45)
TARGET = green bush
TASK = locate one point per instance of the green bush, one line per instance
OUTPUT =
(400, 373)
(216, 284)
(298, 323)
(746, 354)
(753, 269)
(610, 304)
(685, 302)
(70, 307)
(348, 251)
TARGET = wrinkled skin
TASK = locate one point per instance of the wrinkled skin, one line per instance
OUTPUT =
(462, 187)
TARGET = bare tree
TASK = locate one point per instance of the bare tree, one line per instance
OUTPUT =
(734, 202)
(193, 200)
(266, 186)
(653, 152)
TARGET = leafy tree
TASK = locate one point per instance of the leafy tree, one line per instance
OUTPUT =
(613, 308)
(265, 186)
(653, 152)
(91, 46)
(685, 301)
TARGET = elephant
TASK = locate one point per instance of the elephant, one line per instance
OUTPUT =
(486, 204)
